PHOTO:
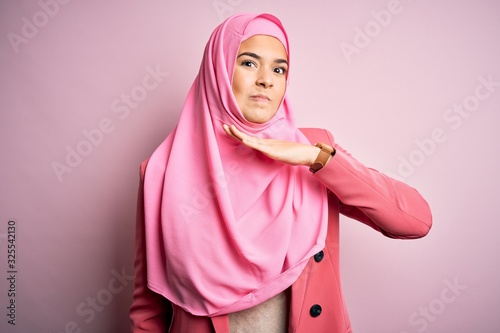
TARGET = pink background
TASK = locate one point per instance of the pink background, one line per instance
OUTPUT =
(391, 99)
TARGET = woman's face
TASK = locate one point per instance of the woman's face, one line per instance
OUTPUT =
(259, 79)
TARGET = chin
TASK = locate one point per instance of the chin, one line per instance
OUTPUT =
(259, 119)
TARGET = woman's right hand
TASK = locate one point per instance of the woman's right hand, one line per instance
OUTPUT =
(289, 152)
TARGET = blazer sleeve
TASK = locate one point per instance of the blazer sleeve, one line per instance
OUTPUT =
(387, 205)
(149, 312)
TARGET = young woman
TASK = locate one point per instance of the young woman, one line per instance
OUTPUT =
(238, 211)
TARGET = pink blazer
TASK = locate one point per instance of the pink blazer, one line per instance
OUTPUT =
(317, 305)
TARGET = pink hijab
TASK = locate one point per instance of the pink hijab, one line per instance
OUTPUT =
(227, 227)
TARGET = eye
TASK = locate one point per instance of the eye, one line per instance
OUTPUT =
(280, 70)
(248, 63)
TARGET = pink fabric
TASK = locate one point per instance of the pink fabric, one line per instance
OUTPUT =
(362, 193)
(226, 227)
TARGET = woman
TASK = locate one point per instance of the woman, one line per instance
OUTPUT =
(238, 212)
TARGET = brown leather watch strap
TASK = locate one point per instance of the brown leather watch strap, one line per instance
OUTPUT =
(323, 156)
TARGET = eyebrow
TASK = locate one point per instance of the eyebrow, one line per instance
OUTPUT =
(258, 57)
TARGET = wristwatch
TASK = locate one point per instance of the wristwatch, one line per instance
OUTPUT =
(323, 156)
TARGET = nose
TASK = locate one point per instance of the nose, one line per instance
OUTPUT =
(264, 78)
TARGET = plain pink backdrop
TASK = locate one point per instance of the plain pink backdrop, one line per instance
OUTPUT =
(388, 78)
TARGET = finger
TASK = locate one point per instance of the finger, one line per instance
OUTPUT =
(245, 138)
(226, 129)
(236, 132)
(229, 132)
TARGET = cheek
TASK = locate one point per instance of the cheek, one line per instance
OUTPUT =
(282, 90)
(238, 87)
(238, 84)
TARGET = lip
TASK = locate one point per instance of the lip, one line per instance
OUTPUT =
(260, 98)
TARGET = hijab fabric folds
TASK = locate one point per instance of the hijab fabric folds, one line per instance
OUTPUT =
(227, 227)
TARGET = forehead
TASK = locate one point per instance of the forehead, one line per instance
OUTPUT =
(264, 45)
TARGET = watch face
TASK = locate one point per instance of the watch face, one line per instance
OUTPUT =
(316, 166)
